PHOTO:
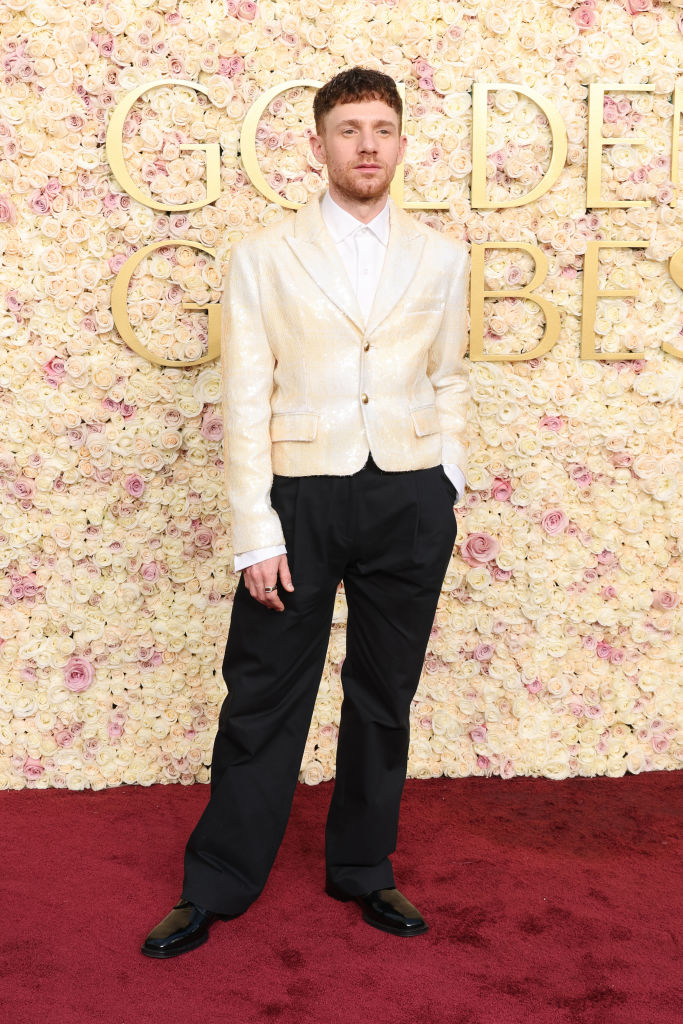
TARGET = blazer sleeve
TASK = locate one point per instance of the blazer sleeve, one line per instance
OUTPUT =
(447, 367)
(247, 364)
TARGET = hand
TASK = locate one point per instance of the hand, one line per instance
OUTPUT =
(264, 574)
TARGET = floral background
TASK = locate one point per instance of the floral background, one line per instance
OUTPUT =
(556, 649)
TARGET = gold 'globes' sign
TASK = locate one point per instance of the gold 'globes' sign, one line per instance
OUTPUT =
(480, 91)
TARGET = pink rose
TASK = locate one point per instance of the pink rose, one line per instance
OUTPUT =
(8, 213)
(551, 422)
(212, 427)
(203, 537)
(39, 203)
(554, 521)
(23, 488)
(638, 6)
(621, 460)
(78, 674)
(507, 769)
(422, 67)
(581, 476)
(479, 548)
(478, 734)
(660, 743)
(231, 66)
(535, 686)
(664, 599)
(584, 16)
(54, 370)
(63, 737)
(247, 10)
(32, 768)
(484, 652)
(149, 572)
(134, 484)
(116, 262)
(483, 762)
(603, 650)
(610, 111)
(13, 302)
(501, 489)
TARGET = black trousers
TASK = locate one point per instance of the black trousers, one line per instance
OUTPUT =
(389, 537)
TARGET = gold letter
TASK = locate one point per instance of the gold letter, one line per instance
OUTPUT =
(675, 134)
(676, 271)
(552, 315)
(114, 149)
(248, 139)
(596, 140)
(256, 176)
(591, 296)
(397, 190)
(558, 137)
(119, 307)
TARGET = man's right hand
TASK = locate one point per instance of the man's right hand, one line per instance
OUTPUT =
(264, 574)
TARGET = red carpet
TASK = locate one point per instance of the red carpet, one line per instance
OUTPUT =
(548, 902)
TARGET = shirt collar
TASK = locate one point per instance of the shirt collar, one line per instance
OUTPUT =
(340, 223)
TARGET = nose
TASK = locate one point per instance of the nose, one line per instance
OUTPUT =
(366, 141)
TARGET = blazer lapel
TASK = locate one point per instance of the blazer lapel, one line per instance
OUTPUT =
(400, 264)
(317, 253)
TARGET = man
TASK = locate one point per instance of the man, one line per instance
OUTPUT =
(345, 392)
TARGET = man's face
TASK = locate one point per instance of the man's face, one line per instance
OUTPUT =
(361, 144)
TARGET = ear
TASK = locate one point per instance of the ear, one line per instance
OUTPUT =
(318, 148)
(402, 143)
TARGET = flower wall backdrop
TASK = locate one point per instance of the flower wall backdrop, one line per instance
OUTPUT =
(556, 649)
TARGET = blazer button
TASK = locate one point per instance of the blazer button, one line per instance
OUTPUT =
(364, 399)
(366, 346)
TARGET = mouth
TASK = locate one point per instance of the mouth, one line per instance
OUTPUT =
(367, 167)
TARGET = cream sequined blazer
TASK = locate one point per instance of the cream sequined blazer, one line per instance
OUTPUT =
(308, 388)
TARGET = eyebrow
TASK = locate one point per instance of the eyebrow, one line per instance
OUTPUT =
(375, 124)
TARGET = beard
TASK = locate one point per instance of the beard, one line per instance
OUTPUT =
(360, 187)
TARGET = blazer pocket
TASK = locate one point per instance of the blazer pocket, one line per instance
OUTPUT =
(425, 420)
(293, 426)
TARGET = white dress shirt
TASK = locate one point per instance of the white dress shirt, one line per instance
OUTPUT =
(362, 248)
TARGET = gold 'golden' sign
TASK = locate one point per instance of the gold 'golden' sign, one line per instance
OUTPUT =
(480, 91)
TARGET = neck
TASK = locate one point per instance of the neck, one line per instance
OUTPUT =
(362, 209)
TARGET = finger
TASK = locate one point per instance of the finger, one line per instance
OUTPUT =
(285, 575)
(272, 599)
(255, 585)
(275, 603)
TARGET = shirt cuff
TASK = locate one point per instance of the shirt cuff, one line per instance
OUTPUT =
(258, 555)
(456, 477)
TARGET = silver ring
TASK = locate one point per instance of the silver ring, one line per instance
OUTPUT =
(269, 590)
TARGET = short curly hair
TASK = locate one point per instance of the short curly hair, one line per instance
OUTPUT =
(353, 85)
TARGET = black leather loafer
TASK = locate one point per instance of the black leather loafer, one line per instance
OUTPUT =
(387, 909)
(185, 928)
